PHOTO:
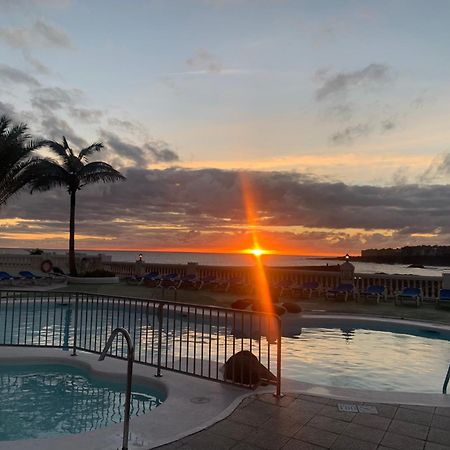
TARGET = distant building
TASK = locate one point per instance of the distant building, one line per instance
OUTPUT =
(409, 254)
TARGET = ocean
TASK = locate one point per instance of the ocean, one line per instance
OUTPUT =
(235, 259)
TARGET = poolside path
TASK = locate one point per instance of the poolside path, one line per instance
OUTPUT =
(304, 422)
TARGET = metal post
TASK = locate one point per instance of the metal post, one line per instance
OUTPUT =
(160, 325)
(447, 379)
(278, 393)
(75, 327)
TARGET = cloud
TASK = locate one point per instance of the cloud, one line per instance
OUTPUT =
(7, 109)
(340, 83)
(55, 98)
(349, 134)
(35, 63)
(205, 61)
(39, 34)
(204, 207)
(11, 75)
(141, 155)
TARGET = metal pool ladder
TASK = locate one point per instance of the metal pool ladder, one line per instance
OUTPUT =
(130, 358)
(447, 379)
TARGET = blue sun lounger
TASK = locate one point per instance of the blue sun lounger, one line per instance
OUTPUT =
(444, 298)
(30, 276)
(343, 290)
(373, 292)
(409, 294)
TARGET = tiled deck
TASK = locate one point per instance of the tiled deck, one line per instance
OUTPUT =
(313, 423)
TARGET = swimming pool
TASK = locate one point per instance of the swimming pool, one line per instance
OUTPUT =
(382, 355)
(374, 354)
(47, 400)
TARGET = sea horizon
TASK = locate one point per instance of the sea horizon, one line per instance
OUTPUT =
(246, 260)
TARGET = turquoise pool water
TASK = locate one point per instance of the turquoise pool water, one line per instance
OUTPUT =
(408, 360)
(46, 400)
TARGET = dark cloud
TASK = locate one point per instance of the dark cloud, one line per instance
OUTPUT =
(349, 134)
(10, 75)
(373, 74)
(39, 34)
(54, 98)
(204, 60)
(142, 155)
(211, 199)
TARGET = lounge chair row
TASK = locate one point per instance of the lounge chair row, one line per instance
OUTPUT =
(25, 277)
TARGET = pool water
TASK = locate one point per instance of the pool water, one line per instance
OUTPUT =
(367, 359)
(46, 400)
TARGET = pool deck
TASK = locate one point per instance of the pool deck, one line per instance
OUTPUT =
(305, 422)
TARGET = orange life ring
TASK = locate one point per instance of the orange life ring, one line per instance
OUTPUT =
(46, 266)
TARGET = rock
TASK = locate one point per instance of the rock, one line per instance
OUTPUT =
(244, 368)
(242, 303)
(276, 309)
(292, 307)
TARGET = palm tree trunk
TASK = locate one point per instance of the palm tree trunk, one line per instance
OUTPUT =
(72, 264)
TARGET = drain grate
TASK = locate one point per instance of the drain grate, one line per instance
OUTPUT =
(354, 408)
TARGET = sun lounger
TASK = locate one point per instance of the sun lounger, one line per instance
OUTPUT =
(306, 290)
(169, 280)
(189, 282)
(373, 292)
(342, 291)
(409, 294)
(35, 279)
(444, 298)
(6, 278)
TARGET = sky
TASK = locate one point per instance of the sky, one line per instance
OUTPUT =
(336, 113)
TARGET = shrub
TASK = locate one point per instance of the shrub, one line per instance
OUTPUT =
(98, 273)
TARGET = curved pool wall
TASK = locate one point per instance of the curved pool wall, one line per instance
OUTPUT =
(191, 404)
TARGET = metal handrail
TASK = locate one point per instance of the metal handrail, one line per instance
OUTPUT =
(446, 381)
(130, 358)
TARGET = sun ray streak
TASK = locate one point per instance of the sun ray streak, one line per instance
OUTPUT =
(262, 285)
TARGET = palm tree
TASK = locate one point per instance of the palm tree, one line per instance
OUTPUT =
(74, 172)
(16, 147)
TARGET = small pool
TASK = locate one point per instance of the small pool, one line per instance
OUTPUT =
(377, 356)
(45, 400)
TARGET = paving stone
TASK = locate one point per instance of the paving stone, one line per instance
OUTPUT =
(328, 424)
(250, 416)
(373, 421)
(364, 433)
(349, 443)
(314, 398)
(442, 422)
(285, 426)
(305, 405)
(439, 436)
(172, 446)
(205, 439)
(272, 400)
(294, 444)
(413, 416)
(402, 442)
(443, 411)
(316, 436)
(333, 412)
(409, 429)
(242, 446)
(232, 429)
(388, 411)
(302, 417)
(267, 439)
(428, 409)
(433, 446)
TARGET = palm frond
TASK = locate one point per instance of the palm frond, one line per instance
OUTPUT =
(56, 148)
(85, 152)
(99, 172)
